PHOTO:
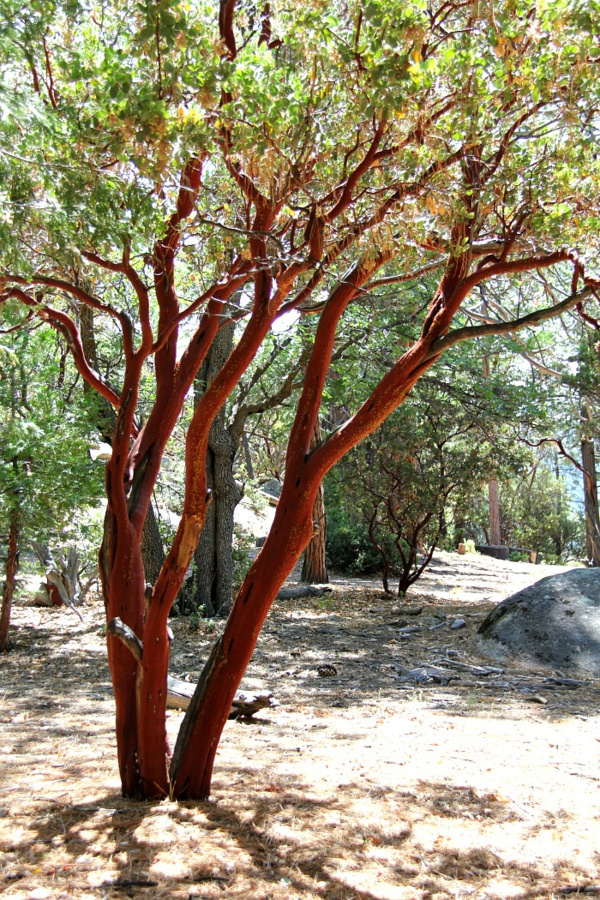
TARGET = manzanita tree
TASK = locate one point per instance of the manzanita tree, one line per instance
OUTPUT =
(175, 170)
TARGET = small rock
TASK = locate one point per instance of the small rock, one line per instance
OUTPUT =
(458, 623)
(412, 610)
(327, 670)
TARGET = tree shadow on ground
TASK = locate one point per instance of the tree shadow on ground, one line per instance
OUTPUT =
(270, 839)
(276, 843)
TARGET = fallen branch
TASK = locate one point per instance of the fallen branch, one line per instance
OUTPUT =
(297, 592)
(244, 705)
(180, 693)
(580, 889)
(465, 667)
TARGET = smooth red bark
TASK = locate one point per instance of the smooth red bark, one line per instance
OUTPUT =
(10, 574)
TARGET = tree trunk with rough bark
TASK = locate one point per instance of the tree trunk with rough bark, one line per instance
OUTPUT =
(153, 553)
(212, 585)
(314, 566)
(10, 574)
(590, 494)
(495, 532)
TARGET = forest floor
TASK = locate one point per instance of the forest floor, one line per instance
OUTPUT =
(362, 783)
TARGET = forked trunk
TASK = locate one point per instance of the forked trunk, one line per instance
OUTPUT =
(192, 765)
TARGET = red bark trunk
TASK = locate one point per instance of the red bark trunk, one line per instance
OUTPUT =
(140, 688)
(12, 562)
(199, 736)
(192, 765)
(126, 601)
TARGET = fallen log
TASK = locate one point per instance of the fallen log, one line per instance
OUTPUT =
(298, 591)
(244, 705)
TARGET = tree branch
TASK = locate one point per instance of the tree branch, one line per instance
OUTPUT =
(272, 400)
(125, 634)
(534, 318)
(588, 477)
(84, 297)
(65, 325)
(125, 268)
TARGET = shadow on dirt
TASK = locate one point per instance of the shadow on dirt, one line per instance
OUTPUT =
(280, 844)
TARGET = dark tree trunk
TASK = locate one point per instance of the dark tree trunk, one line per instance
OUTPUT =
(213, 575)
(12, 562)
(495, 537)
(247, 455)
(558, 537)
(385, 562)
(212, 586)
(153, 553)
(314, 567)
(590, 493)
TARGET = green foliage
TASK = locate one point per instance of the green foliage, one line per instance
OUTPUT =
(418, 480)
(90, 147)
(349, 549)
(46, 474)
(538, 513)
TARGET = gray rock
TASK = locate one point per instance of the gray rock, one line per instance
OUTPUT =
(272, 487)
(554, 623)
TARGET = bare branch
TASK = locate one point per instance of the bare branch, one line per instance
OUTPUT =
(534, 318)
(407, 276)
(138, 285)
(84, 297)
(125, 634)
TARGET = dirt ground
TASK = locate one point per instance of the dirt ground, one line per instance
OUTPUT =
(399, 764)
